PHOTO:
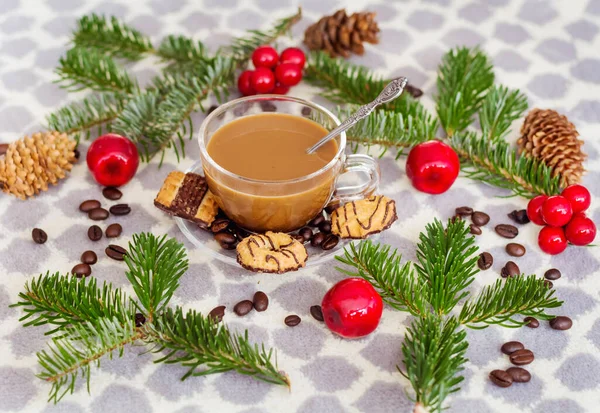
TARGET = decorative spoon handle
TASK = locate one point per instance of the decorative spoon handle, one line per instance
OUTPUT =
(389, 93)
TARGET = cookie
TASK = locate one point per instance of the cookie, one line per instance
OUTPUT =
(187, 196)
(274, 252)
(359, 219)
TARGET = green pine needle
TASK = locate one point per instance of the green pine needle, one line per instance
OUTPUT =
(500, 108)
(181, 49)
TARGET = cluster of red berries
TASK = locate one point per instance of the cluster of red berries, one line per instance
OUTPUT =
(273, 73)
(563, 219)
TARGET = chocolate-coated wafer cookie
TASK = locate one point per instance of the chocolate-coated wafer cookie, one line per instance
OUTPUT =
(275, 252)
(358, 219)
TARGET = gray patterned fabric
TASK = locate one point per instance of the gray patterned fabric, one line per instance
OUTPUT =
(549, 49)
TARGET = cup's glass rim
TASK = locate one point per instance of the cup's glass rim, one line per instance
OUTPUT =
(222, 108)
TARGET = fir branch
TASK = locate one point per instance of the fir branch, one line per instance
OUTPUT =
(434, 354)
(181, 49)
(500, 302)
(500, 108)
(206, 347)
(464, 77)
(397, 283)
(447, 262)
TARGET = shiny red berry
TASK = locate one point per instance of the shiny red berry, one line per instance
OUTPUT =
(280, 89)
(580, 230)
(578, 196)
(263, 80)
(265, 56)
(112, 159)
(288, 74)
(245, 84)
(293, 55)
(534, 209)
(552, 240)
(432, 167)
(557, 211)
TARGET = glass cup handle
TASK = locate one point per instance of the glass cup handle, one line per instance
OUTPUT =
(364, 165)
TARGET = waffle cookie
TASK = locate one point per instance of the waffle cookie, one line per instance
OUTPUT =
(274, 252)
(359, 219)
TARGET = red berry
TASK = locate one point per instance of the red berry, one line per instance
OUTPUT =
(534, 209)
(288, 74)
(352, 308)
(556, 211)
(293, 55)
(112, 159)
(265, 56)
(280, 89)
(552, 240)
(432, 167)
(263, 80)
(245, 83)
(581, 230)
(578, 196)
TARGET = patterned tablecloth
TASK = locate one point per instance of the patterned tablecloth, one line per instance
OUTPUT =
(548, 49)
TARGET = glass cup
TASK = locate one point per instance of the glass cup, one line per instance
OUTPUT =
(284, 205)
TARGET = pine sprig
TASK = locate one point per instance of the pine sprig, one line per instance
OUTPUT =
(206, 347)
(500, 108)
(500, 302)
(181, 49)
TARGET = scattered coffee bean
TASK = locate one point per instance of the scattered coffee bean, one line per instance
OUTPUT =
(521, 357)
(239, 233)
(267, 106)
(519, 374)
(480, 218)
(120, 209)
(325, 227)
(501, 378)
(485, 261)
(211, 109)
(98, 214)
(561, 323)
(228, 246)
(225, 239)
(260, 301)
(456, 218)
(464, 211)
(292, 320)
(112, 193)
(316, 221)
(139, 319)
(317, 239)
(89, 257)
(299, 238)
(332, 206)
(548, 284)
(532, 322)
(474, 229)
(81, 270)
(511, 346)
(316, 312)
(87, 206)
(39, 236)
(515, 250)
(95, 233)
(552, 274)
(519, 216)
(413, 90)
(3, 148)
(113, 230)
(506, 230)
(219, 224)
(510, 269)
(306, 234)
(217, 313)
(330, 241)
(116, 252)
(243, 307)
(76, 153)
(306, 111)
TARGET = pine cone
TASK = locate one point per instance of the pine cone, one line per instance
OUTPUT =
(550, 137)
(31, 163)
(340, 34)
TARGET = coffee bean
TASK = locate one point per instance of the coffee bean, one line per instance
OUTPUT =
(474, 229)
(519, 216)
(76, 153)
(238, 232)
(330, 241)
(3, 148)
(267, 106)
(316, 312)
(464, 211)
(317, 239)
(511, 346)
(561, 323)
(306, 111)
(515, 250)
(120, 209)
(480, 218)
(552, 274)
(243, 307)
(112, 193)
(98, 214)
(227, 246)
(521, 357)
(139, 319)
(519, 374)
(292, 320)
(501, 378)
(325, 227)
(81, 270)
(332, 206)
(113, 230)
(219, 224)
(506, 231)
(316, 221)
(510, 269)
(217, 313)
(456, 218)
(89, 257)
(485, 261)
(532, 322)
(39, 236)
(116, 252)
(299, 238)
(260, 301)
(413, 90)
(87, 206)
(211, 109)
(548, 284)
(225, 238)
(306, 234)
(95, 233)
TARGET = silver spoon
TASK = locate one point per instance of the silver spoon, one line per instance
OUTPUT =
(389, 93)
